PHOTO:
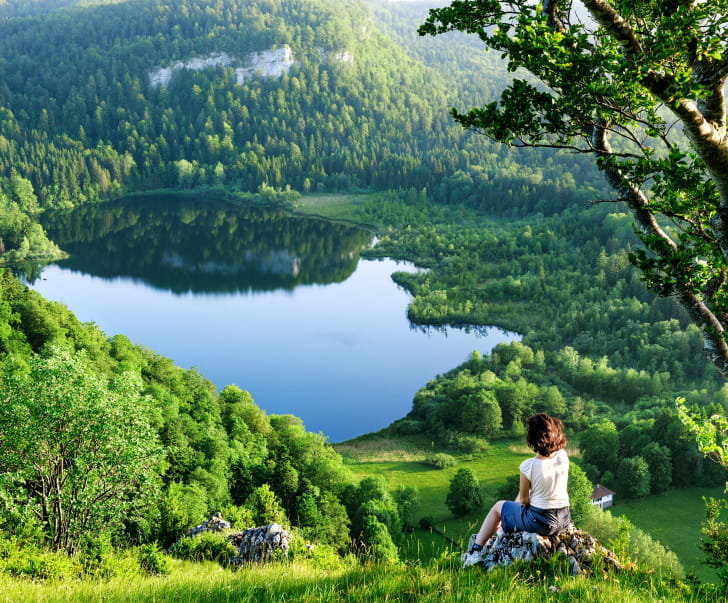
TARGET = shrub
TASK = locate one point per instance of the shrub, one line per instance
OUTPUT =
(180, 507)
(207, 546)
(440, 460)
(377, 542)
(153, 561)
(715, 543)
(404, 427)
(385, 510)
(464, 496)
(408, 501)
(469, 444)
(265, 507)
(96, 556)
(320, 556)
(580, 489)
(652, 555)
(626, 540)
(509, 489)
(240, 518)
(37, 564)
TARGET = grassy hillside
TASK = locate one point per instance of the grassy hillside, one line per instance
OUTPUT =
(442, 580)
(429, 570)
(673, 518)
(401, 462)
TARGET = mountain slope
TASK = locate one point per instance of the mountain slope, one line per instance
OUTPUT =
(101, 99)
(352, 110)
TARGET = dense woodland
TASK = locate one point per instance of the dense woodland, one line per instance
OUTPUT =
(509, 238)
(597, 346)
(378, 121)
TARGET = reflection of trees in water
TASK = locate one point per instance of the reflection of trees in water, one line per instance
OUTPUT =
(184, 244)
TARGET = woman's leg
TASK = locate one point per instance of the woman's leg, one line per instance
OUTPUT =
(490, 523)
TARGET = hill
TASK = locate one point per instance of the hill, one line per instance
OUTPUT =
(180, 98)
(101, 98)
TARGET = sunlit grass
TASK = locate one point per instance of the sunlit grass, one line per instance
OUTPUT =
(674, 518)
(440, 580)
(492, 467)
(381, 450)
(347, 207)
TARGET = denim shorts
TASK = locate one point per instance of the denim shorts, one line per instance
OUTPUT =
(546, 522)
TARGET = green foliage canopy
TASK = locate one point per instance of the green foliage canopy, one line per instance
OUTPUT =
(633, 477)
(464, 496)
(599, 445)
(613, 84)
(82, 447)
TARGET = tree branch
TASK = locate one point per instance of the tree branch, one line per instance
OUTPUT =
(628, 192)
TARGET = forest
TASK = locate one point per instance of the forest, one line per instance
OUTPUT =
(102, 128)
(129, 450)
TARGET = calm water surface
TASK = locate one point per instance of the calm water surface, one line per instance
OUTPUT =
(280, 306)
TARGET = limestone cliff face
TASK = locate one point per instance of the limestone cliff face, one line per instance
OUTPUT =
(266, 63)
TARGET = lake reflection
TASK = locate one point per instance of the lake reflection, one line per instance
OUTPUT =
(205, 245)
(279, 305)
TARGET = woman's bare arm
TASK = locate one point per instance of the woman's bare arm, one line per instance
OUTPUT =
(524, 491)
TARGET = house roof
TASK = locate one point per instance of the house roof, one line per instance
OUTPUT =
(598, 491)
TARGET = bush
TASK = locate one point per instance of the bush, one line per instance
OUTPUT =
(180, 507)
(715, 543)
(405, 427)
(240, 518)
(629, 541)
(265, 506)
(385, 511)
(464, 496)
(509, 489)
(207, 546)
(96, 556)
(153, 561)
(377, 543)
(320, 556)
(469, 444)
(580, 489)
(408, 501)
(37, 564)
(440, 460)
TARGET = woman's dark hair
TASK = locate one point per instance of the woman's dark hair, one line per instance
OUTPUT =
(545, 434)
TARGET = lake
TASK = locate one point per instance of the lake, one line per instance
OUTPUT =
(280, 305)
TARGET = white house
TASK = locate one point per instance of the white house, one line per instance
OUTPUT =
(602, 496)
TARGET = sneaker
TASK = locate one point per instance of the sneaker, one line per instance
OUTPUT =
(473, 558)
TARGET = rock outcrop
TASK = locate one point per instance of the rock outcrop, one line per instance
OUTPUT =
(254, 545)
(274, 63)
(258, 545)
(266, 63)
(216, 524)
(578, 547)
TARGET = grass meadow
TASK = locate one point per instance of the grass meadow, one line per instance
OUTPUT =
(401, 463)
(430, 570)
(673, 518)
(441, 580)
(337, 207)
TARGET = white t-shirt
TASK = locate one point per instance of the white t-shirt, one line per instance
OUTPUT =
(548, 479)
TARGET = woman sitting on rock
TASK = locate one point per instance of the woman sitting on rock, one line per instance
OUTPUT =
(542, 504)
